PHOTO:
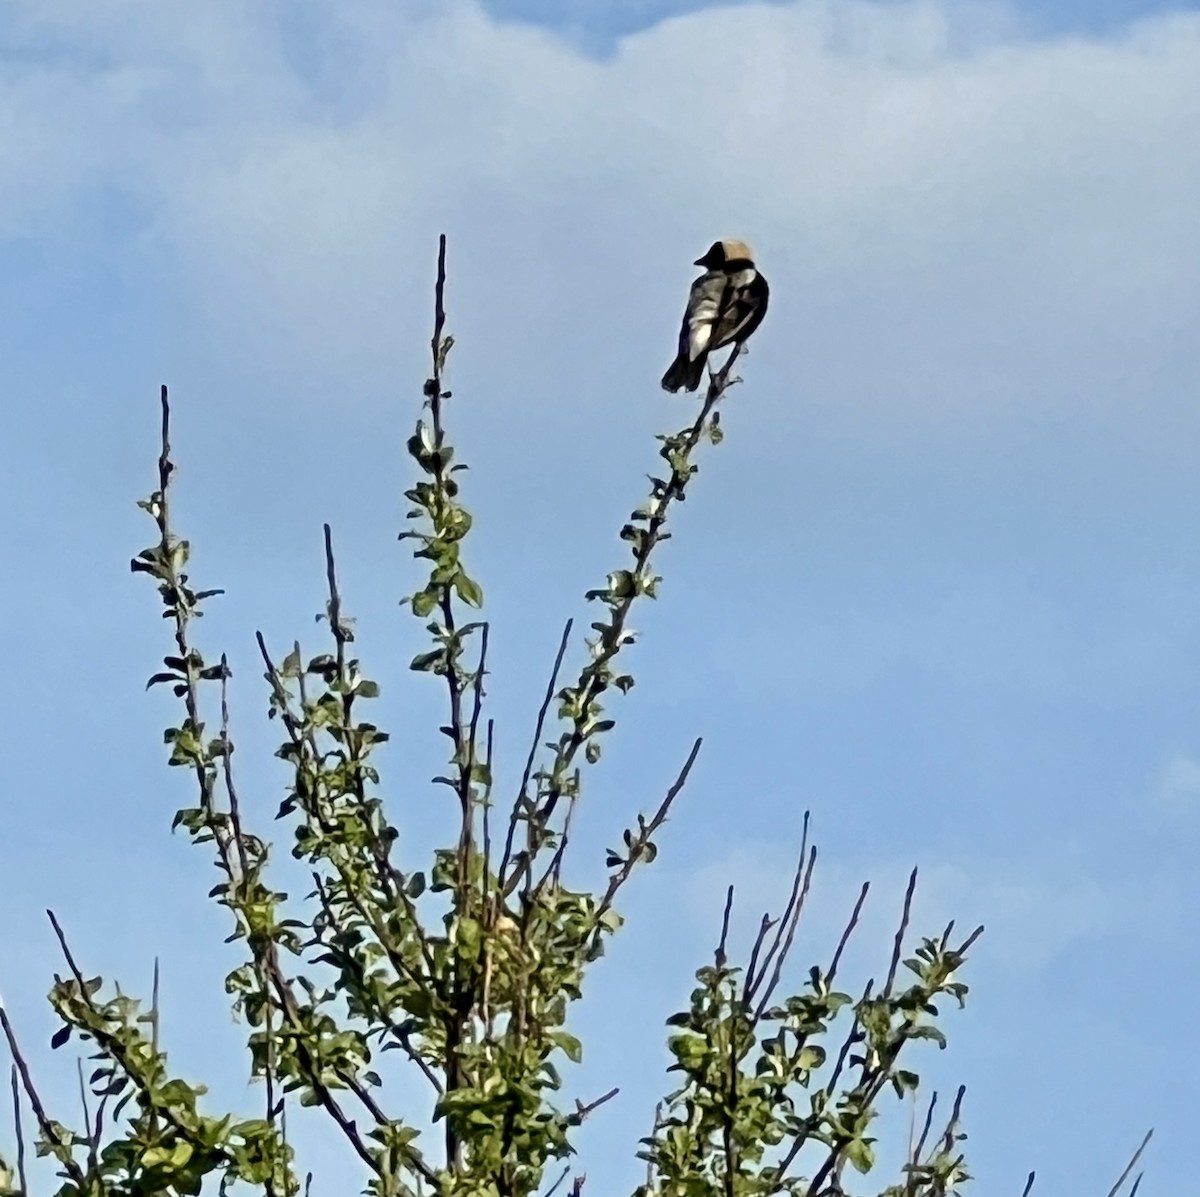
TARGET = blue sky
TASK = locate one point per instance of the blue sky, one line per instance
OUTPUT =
(940, 585)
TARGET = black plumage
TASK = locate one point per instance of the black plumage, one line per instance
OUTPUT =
(726, 304)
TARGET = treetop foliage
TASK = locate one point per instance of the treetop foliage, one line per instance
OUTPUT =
(469, 966)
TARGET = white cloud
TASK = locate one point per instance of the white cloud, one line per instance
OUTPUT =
(999, 213)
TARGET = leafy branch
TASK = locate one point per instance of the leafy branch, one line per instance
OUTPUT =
(469, 967)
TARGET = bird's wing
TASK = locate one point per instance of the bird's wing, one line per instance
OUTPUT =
(742, 309)
(705, 301)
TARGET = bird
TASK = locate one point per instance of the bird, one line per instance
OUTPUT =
(726, 304)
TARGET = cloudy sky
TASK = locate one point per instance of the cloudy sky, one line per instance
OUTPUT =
(940, 584)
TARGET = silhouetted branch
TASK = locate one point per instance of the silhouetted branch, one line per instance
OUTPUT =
(1137, 1155)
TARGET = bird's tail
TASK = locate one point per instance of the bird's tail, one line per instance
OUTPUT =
(683, 372)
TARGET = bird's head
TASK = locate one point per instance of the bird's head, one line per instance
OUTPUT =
(726, 253)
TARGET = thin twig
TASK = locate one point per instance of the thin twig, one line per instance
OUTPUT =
(270, 1068)
(402, 1037)
(898, 944)
(730, 1105)
(456, 1021)
(812, 1122)
(855, 914)
(754, 978)
(615, 629)
(557, 862)
(522, 796)
(154, 1009)
(952, 1124)
(466, 841)
(619, 878)
(312, 1073)
(238, 885)
(393, 884)
(154, 1022)
(19, 1131)
(168, 543)
(66, 951)
(121, 1055)
(933, 1100)
(853, 1036)
(787, 929)
(764, 928)
(721, 956)
(582, 1111)
(487, 812)
(653, 1131)
(1137, 1155)
(93, 1144)
(593, 677)
(555, 1186)
(554, 868)
(35, 1102)
(970, 940)
(481, 672)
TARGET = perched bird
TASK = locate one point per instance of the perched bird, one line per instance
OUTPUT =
(726, 304)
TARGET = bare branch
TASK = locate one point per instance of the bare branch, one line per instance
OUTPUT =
(619, 878)
(523, 794)
(855, 915)
(933, 1100)
(786, 931)
(898, 945)
(653, 535)
(35, 1102)
(721, 956)
(19, 1131)
(582, 1111)
(89, 1133)
(1137, 1155)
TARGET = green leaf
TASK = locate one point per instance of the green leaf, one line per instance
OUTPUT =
(927, 1032)
(610, 920)
(620, 583)
(424, 601)
(810, 1057)
(569, 1044)
(861, 1155)
(469, 590)
(467, 938)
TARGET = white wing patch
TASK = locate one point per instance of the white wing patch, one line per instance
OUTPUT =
(703, 308)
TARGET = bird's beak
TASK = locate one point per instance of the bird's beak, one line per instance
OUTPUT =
(701, 261)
